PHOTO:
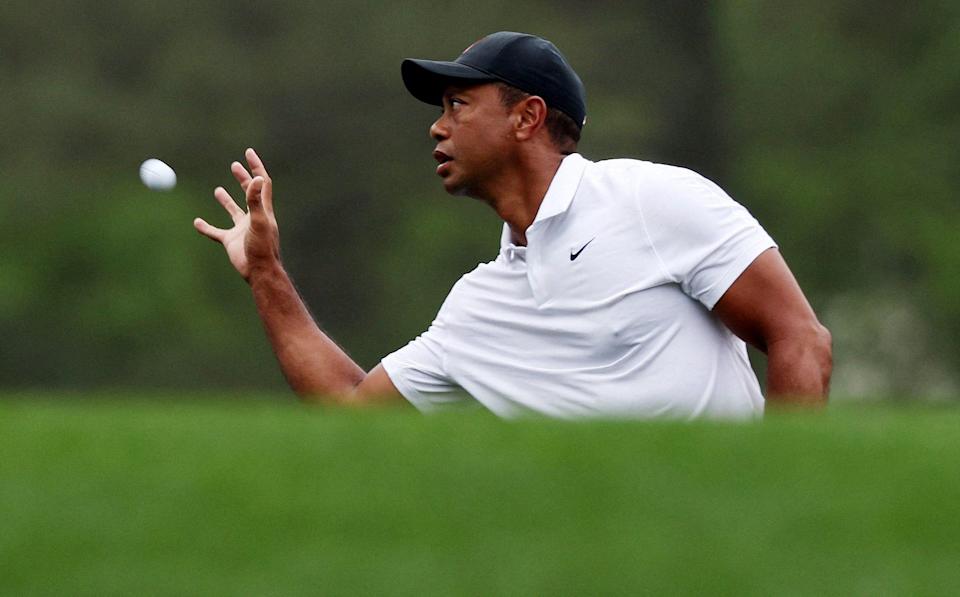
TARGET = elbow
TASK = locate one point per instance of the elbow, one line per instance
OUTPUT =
(800, 365)
(334, 398)
(324, 393)
(308, 394)
(818, 351)
(824, 355)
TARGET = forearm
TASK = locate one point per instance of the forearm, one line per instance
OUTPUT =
(312, 363)
(798, 370)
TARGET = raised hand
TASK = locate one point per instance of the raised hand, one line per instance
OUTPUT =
(254, 241)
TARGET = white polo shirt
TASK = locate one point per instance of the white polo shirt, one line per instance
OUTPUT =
(605, 312)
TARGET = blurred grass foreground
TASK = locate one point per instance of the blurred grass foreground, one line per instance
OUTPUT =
(111, 497)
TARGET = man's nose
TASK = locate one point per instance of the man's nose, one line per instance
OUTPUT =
(438, 131)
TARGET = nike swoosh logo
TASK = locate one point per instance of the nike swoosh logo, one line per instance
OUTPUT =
(577, 254)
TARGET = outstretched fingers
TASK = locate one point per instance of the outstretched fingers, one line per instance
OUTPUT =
(225, 200)
(256, 164)
(240, 173)
(258, 191)
(212, 232)
(257, 169)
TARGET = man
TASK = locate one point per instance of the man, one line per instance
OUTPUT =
(622, 288)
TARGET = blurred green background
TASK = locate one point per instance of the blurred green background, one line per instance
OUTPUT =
(836, 123)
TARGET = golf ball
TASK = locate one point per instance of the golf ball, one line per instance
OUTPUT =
(157, 176)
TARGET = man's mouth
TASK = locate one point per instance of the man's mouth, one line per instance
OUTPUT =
(443, 161)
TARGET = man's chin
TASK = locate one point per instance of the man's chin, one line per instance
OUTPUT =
(457, 186)
(451, 186)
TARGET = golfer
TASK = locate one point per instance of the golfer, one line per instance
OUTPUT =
(622, 288)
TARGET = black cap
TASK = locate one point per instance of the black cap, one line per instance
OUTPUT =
(527, 62)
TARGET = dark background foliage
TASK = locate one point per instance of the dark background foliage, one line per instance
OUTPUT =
(835, 123)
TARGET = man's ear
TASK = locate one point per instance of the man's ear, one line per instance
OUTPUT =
(530, 114)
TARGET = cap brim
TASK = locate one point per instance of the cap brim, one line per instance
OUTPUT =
(426, 80)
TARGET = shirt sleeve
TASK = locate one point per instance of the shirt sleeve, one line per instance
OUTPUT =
(703, 238)
(418, 372)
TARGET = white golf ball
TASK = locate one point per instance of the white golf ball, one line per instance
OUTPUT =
(157, 175)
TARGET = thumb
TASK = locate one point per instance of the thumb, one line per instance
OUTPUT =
(253, 194)
(266, 195)
(258, 218)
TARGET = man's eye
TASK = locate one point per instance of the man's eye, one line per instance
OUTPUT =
(454, 102)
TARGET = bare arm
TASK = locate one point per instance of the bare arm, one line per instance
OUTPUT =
(315, 367)
(766, 308)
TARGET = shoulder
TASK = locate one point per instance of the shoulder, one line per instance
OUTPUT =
(631, 167)
(611, 182)
(620, 169)
(645, 184)
(645, 175)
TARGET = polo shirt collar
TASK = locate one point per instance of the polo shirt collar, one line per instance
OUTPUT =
(563, 187)
(559, 195)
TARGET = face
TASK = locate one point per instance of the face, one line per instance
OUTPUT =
(474, 139)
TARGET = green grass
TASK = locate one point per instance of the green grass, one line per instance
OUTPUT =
(211, 498)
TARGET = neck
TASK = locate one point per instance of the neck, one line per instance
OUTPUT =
(521, 191)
